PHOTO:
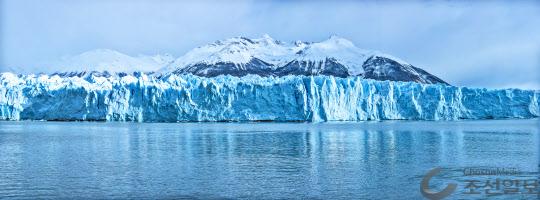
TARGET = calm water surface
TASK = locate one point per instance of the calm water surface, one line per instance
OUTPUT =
(367, 160)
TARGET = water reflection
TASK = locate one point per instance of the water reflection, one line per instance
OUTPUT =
(272, 160)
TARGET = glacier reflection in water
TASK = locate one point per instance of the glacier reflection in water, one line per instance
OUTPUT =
(252, 160)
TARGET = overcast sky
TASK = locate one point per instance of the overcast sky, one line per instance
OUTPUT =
(481, 44)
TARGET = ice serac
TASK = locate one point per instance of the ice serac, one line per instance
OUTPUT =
(251, 98)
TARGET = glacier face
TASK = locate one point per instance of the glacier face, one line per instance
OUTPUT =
(251, 98)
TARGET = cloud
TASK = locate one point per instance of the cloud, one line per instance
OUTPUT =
(462, 42)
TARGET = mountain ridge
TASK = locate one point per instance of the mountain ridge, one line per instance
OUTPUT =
(265, 56)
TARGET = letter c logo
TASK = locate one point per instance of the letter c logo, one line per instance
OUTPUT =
(433, 195)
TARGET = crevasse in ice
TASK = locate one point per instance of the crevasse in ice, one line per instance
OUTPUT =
(251, 98)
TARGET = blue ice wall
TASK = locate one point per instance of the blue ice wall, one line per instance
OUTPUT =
(252, 98)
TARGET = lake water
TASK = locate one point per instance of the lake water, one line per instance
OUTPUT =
(362, 160)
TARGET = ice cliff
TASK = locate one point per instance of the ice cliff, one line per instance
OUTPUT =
(176, 98)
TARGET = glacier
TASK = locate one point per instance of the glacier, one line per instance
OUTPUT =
(179, 98)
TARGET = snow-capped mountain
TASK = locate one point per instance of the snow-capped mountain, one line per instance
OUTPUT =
(239, 50)
(338, 51)
(242, 56)
(385, 68)
(105, 62)
(265, 56)
(235, 56)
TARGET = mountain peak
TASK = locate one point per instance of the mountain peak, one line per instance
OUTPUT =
(100, 54)
(266, 37)
(264, 56)
(109, 60)
(337, 41)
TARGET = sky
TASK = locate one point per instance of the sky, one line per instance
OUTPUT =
(493, 44)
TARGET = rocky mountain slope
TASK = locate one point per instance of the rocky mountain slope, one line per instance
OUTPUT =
(268, 57)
